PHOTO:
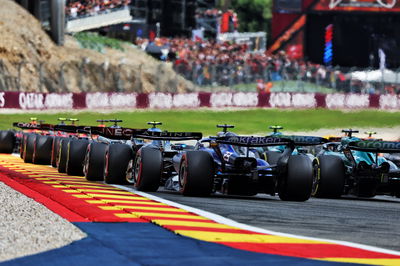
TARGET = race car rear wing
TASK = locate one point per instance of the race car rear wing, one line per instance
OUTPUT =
(375, 146)
(306, 140)
(119, 133)
(247, 141)
(22, 125)
(165, 135)
(271, 141)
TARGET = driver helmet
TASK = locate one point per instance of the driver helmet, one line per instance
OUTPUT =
(154, 129)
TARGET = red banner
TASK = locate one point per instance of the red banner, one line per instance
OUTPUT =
(162, 100)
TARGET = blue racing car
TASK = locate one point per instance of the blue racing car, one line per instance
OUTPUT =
(230, 164)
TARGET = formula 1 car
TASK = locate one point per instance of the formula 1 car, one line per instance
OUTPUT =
(36, 142)
(271, 154)
(353, 166)
(108, 153)
(153, 163)
(10, 140)
(78, 154)
(228, 164)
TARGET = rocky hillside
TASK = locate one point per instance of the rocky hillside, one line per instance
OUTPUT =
(30, 61)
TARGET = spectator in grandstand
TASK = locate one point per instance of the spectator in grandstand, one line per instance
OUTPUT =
(207, 62)
(82, 8)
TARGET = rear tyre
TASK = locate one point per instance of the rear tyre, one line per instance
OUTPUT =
(62, 155)
(147, 169)
(196, 173)
(54, 150)
(117, 157)
(29, 148)
(93, 167)
(42, 152)
(75, 156)
(22, 146)
(328, 177)
(297, 184)
(7, 141)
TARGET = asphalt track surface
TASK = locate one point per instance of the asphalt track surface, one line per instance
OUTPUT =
(374, 222)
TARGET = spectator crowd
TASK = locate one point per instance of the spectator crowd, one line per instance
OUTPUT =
(82, 8)
(207, 62)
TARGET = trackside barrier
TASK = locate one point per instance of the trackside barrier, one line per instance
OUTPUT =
(161, 100)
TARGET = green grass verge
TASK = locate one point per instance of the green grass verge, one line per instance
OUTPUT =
(94, 41)
(246, 121)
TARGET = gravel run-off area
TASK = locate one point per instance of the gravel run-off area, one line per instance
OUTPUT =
(28, 227)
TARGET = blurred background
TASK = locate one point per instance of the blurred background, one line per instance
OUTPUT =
(143, 46)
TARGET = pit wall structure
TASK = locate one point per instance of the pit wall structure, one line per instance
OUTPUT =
(161, 100)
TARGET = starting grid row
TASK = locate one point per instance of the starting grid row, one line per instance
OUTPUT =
(79, 200)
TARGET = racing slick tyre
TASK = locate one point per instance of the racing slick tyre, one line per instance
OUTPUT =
(29, 148)
(42, 151)
(22, 146)
(328, 177)
(93, 165)
(7, 141)
(196, 173)
(54, 150)
(272, 157)
(75, 156)
(62, 155)
(297, 184)
(147, 169)
(117, 157)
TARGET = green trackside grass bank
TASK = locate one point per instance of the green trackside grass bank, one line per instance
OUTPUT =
(246, 121)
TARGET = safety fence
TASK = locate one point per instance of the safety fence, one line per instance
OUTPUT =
(298, 76)
(88, 76)
(160, 100)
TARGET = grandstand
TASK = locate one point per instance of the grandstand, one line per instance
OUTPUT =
(350, 32)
